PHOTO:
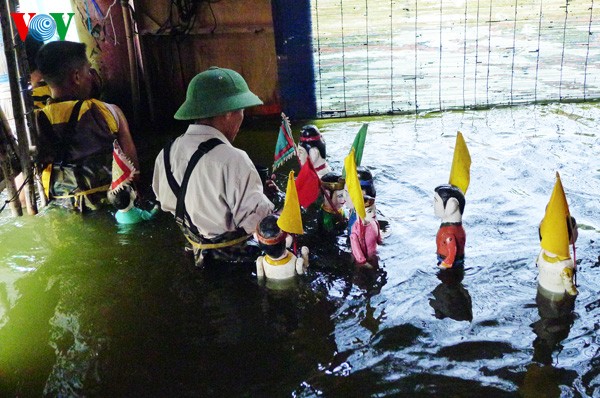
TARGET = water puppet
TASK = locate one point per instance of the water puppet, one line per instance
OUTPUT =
(312, 146)
(449, 205)
(122, 194)
(365, 234)
(557, 230)
(273, 235)
(367, 186)
(332, 214)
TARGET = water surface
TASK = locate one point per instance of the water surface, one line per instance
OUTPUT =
(88, 308)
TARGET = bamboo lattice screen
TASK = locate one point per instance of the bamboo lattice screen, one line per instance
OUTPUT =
(377, 57)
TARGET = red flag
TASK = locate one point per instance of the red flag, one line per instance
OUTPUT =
(308, 184)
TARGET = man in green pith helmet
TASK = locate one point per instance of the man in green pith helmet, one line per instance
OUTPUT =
(211, 187)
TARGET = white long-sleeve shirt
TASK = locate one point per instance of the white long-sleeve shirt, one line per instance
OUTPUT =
(224, 192)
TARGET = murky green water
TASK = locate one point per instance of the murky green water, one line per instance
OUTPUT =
(91, 309)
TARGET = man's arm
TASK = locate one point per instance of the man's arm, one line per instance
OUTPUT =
(124, 138)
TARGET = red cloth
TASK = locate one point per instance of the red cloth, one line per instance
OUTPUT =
(308, 184)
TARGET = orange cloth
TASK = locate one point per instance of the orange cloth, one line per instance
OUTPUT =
(450, 242)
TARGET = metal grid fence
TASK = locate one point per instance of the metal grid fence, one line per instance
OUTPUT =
(410, 56)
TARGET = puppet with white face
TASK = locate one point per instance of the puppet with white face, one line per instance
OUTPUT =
(449, 204)
(332, 189)
(312, 146)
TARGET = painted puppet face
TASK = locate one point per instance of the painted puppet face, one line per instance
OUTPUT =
(438, 205)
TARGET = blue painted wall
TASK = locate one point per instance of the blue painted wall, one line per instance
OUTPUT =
(293, 45)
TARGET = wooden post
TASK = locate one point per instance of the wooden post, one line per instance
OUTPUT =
(7, 154)
(135, 84)
(17, 104)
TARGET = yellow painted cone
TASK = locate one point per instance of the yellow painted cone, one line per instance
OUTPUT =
(290, 219)
(353, 184)
(555, 235)
(460, 174)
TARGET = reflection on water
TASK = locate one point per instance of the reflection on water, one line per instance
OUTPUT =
(88, 308)
(450, 298)
(544, 376)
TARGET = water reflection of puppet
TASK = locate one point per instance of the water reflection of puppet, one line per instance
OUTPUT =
(312, 146)
(556, 319)
(450, 298)
(332, 218)
(278, 262)
(449, 204)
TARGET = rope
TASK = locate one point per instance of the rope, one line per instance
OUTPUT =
(465, 57)
(476, 54)
(440, 63)
(487, 82)
(367, 30)
(562, 57)
(220, 245)
(343, 55)
(587, 53)
(392, 54)
(537, 61)
(16, 195)
(87, 192)
(319, 58)
(416, 57)
(514, 50)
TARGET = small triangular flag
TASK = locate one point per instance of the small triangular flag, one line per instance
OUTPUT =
(285, 147)
(353, 184)
(308, 184)
(290, 219)
(358, 145)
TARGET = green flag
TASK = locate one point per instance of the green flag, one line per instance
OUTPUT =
(358, 145)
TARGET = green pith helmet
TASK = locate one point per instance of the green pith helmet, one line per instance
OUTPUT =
(214, 92)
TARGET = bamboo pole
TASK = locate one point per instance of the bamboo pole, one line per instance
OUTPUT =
(17, 104)
(133, 75)
(7, 153)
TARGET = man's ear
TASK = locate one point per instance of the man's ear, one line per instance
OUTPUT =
(451, 206)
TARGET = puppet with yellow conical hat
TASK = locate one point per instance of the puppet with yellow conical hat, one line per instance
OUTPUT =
(365, 233)
(449, 205)
(273, 235)
(557, 230)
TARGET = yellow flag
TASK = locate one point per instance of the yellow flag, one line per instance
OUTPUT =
(353, 185)
(461, 165)
(555, 235)
(290, 219)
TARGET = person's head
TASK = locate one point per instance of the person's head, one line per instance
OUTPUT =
(123, 199)
(370, 209)
(67, 70)
(366, 181)
(311, 145)
(32, 46)
(217, 97)
(448, 200)
(271, 238)
(333, 183)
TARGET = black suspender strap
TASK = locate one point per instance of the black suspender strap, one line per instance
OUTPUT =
(69, 130)
(181, 215)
